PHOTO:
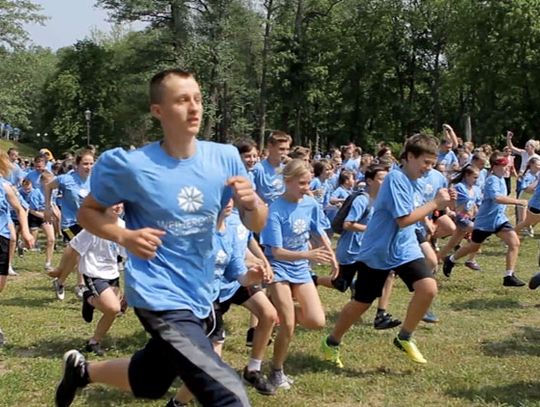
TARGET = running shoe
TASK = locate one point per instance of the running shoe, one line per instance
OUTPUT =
(280, 380)
(410, 348)
(79, 290)
(95, 348)
(473, 265)
(87, 308)
(174, 403)
(256, 379)
(430, 317)
(513, 281)
(534, 282)
(331, 353)
(385, 321)
(58, 289)
(12, 272)
(448, 265)
(48, 267)
(74, 378)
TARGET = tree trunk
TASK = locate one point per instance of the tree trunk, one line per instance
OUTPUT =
(264, 72)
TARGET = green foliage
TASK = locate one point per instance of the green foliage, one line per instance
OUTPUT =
(13, 14)
(339, 70)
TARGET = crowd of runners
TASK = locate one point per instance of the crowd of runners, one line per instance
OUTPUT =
(200, 226)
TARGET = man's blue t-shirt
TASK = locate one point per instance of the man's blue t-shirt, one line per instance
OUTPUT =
(268, 181)
(36, 200)
(34, 177)
(385, 245)
(181, 197)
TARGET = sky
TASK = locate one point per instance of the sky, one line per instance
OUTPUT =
(69, 21)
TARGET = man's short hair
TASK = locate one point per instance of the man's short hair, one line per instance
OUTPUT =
(421, 144)
(156, 88)
(279, 136)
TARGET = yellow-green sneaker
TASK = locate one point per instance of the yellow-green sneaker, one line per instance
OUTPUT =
(331, 353)
(409, 347)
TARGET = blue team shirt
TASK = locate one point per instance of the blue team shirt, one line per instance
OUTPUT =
(289, 227)
(427, 187)
(491, 214)
(466, 198)
(242, 234)
(5, 207)
(385, 245)
(16, 175)
(36, 200)
(230, 264)
(181, 197)
(325, 188)
(447, 159)
(268, 181)
(527, 179)
(73, 189)
(348, 245)
(34, 177)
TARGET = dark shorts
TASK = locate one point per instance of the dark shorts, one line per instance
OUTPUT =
(420, 236)
(345, 276)
(213, 325)
(34, 222)
(4, 256)
(178, 347)
(217, 334)
(72, 231)
(98, 285)
(479, 236)
(370, 282)
(464, 221)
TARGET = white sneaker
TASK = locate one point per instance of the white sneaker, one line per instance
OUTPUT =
(48, 267)
(79, 290)
(58, 289)
(12, 272)
(280, 380)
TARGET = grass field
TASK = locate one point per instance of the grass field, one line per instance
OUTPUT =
(24, 150)
(485, 351)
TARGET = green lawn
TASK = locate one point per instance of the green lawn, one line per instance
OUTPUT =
(24, 150)
(485, 351)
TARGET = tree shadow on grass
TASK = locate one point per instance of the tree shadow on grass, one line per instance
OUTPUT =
(299, 363)
(49, 348)
(515, 394)
(486, 304)
(527, 342)
(27, 302)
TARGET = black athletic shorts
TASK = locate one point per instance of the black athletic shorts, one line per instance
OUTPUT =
(98, 285)
(72, 231)
(420, 236)
(479, 236)
(34, 222)
(345, 276)
(370, 282)
(4, 256)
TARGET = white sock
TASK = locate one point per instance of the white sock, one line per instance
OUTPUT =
(452, 259)
(508, 273)
(254, 365)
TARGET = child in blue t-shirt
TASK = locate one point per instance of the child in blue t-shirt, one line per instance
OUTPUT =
(350, 241)
(173, 191)
(529, 182)
(293, 218)
(390, 244)
(491, 219)
(469, 198)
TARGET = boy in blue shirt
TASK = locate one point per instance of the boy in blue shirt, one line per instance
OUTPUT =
(266, 174)
(390, 243)
(173, 192)
(491, 219)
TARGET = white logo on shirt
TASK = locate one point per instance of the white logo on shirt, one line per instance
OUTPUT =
(428, 189)
(277, 184)
(190, 199)
(221, 258)
(299, 226)
(242, 232)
